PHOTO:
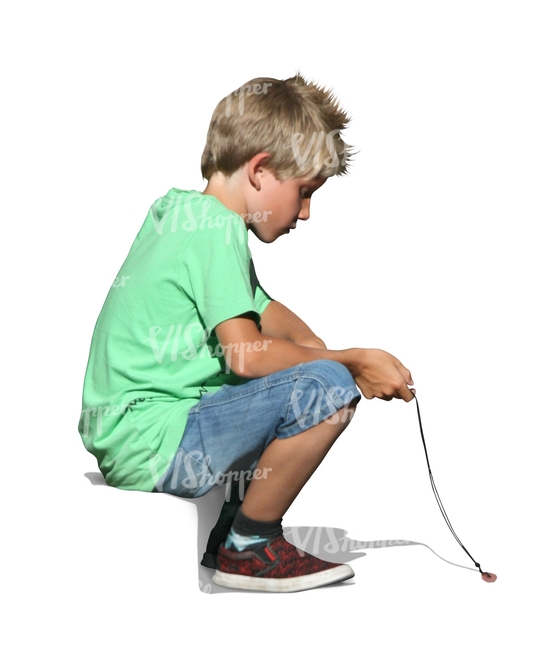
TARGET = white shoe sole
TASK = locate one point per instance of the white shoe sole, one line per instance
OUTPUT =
(284, 585)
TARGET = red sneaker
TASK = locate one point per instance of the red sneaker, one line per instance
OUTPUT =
(278, 566)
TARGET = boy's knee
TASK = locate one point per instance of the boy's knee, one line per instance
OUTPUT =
(324, 391)
(335, 378)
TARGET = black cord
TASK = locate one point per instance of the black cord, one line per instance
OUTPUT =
(433, 484)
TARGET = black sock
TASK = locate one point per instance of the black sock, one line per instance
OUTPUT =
(246, 532)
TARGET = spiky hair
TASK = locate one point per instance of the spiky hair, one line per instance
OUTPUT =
(299, 123)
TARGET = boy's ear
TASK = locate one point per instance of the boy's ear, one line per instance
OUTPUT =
(257, 167)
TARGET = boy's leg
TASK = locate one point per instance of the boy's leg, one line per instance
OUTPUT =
(286, 466)
(256, 555)
(282, 425)
(218, 535)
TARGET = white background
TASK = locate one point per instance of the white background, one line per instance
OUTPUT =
(437, 248)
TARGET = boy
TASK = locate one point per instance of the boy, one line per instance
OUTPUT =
(188, 341)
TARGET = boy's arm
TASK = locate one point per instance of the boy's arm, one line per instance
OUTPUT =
(280, 322)
(250, 354)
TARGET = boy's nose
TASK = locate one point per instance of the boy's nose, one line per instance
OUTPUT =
(304, 210)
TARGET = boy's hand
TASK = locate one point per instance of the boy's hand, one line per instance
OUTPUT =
(379, 374)
(250, 354)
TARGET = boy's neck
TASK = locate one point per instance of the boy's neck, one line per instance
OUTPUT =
(229, 190)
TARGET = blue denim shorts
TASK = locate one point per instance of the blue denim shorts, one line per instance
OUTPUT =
(227, 431)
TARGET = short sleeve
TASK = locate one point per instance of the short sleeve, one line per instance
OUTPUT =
(262, 298)
(217, 270)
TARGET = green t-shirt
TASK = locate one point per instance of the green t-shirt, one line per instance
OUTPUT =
(154, 351)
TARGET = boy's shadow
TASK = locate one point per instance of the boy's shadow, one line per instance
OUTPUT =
(331, 544)
(208, 507)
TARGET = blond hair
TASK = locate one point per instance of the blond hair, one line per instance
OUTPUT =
(297, 122)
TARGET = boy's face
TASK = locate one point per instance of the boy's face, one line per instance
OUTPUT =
(278, 205)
